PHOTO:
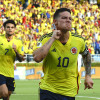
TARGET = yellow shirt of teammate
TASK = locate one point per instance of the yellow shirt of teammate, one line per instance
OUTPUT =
(7, 55)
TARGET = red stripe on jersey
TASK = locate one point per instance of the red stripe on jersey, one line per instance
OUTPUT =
(77, 83)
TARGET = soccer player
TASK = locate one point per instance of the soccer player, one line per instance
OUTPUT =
(59, 51)
(10, 48)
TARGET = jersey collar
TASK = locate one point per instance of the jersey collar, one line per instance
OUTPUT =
(68, 42)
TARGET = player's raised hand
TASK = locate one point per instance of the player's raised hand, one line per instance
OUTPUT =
(56, 34)
(14, 47)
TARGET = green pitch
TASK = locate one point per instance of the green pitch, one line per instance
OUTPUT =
(89, 94)
(26, 90)
(29, 89)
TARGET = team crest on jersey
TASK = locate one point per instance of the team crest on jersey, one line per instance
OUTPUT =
(73, 50)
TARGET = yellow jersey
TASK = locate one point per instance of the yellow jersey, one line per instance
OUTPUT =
(60, 65)
(7, 55)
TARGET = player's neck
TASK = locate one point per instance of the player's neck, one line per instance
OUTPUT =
(64, 38)
(9, 37)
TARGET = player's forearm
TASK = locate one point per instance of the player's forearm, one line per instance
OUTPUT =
(41, 53)
(87, 63)
(19, 57)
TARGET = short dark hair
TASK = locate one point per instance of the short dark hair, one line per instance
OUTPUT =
(9, 21)
(56, 14)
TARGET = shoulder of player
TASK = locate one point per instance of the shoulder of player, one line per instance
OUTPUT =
(45, 36)
(78, 36)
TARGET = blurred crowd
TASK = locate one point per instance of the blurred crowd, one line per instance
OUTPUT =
(35, 18)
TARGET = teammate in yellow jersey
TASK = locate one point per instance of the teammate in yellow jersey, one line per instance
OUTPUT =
(10, 48)
(59, 51)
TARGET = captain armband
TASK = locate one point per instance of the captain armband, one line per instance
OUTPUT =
(86, 51)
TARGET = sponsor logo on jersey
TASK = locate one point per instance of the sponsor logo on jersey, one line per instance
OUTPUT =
(73, 50)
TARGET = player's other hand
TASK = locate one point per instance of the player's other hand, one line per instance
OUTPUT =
(56, 34)
(14, 47)
(88, 82)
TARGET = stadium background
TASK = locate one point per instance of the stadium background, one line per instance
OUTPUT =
(35, 18)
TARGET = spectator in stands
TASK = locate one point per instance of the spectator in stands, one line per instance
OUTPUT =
(25, 4)
(24, 20)
(97, 47)
(37, 29)
(36, 4)
(48, 16)
(92, 50)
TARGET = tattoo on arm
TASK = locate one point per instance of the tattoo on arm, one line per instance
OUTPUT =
(48, 41)
(42, 52)
(87, 63)
(45, 45)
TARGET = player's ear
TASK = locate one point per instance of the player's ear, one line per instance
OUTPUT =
(55, 21)
(3, 28)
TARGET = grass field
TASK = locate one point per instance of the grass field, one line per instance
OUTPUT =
(28, 90)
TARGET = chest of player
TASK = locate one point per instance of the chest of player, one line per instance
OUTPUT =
(65, 54)
(68, 49)
(6, 48)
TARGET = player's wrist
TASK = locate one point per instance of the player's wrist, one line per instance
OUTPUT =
(15, 51)
(87, 75)
(53, 38)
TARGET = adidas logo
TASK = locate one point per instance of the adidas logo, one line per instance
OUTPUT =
(54, 50)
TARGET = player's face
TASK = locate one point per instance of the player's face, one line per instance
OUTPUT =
(64, 21)
(10, 29)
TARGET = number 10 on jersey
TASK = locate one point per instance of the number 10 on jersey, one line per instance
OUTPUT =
(64, 60)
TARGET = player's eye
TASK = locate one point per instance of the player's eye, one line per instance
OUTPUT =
(12, 27)
(67, 18)
(70, 18)
(9, 27)
(64, 17)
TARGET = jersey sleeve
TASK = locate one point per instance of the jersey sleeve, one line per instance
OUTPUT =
(41, 42)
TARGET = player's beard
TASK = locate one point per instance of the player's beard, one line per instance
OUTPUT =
(10, 34)
(66, 29)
